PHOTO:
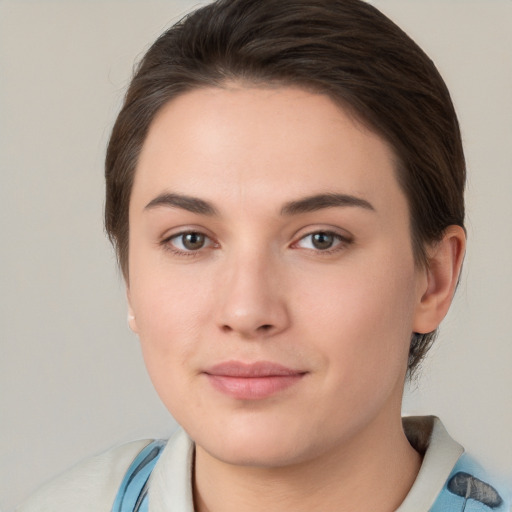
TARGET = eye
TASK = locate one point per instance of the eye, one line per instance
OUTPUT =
(190, 241)
(321, 241)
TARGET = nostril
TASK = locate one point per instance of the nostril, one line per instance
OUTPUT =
(265, 327)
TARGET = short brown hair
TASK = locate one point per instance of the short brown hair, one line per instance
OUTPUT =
(346, 49)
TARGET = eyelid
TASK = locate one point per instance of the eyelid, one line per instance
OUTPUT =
(166, 241)
(184, 229)
(311, 229)
(344, 238)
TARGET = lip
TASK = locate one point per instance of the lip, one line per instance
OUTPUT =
(252, 381)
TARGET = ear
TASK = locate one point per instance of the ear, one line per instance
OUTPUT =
(440, 279)
(132, 322)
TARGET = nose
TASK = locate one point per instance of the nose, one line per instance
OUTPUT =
(252, 299)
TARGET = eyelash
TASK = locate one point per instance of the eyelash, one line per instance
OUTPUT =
(167, 243)
(340, 243)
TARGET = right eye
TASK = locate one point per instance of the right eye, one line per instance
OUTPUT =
(189, 242)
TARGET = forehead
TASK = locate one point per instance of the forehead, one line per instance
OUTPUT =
(263, 144)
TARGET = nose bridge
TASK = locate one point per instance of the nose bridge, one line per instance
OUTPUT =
(252, 299)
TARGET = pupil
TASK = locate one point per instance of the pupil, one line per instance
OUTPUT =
(323, 240)
(193, 241)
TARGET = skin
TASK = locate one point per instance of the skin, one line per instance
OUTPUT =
(260, 290)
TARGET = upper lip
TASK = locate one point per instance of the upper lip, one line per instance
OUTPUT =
(248, 370)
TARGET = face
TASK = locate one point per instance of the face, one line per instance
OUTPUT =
(271, 273)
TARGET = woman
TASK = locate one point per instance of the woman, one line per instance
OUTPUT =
(285, 192)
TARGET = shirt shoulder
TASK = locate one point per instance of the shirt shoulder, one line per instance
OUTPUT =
(472, 488)
(90, 485)
(449, 479)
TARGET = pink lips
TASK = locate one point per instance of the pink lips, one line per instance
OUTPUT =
(253, 381)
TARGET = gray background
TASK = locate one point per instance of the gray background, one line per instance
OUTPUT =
(72, 381)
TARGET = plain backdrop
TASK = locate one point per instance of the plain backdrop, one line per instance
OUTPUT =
(72, 380)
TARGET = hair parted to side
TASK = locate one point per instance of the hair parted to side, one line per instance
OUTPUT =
(346, 49)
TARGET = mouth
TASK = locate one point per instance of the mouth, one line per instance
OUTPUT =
(253, 381)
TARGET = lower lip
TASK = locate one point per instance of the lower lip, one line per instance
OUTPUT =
(253, 388)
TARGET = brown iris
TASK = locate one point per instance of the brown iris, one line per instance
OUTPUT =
(322, 240)
(193, 241)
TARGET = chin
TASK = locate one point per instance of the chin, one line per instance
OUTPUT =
(258, 443)
(263, 453)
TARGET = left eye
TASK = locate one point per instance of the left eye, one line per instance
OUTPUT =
(191, 241)
(320, 241)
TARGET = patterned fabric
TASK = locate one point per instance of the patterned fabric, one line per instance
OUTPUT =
(468, 490)
(133, 492)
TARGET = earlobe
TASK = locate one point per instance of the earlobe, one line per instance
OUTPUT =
(442, 274)
(132, 322)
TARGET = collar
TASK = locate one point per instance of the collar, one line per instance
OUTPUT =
(428, 436)
(171, 481)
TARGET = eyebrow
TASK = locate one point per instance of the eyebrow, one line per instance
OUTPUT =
(191, 204)
(321, 201)
(304, 205)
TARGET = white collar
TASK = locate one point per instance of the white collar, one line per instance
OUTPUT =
(427, 435)
(171, 481)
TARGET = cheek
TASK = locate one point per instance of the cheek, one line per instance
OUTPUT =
(170, 313)
(363, 320)
(171, 309)
(169, 325)
(165, 298)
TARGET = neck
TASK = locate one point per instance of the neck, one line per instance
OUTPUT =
(373, 471)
